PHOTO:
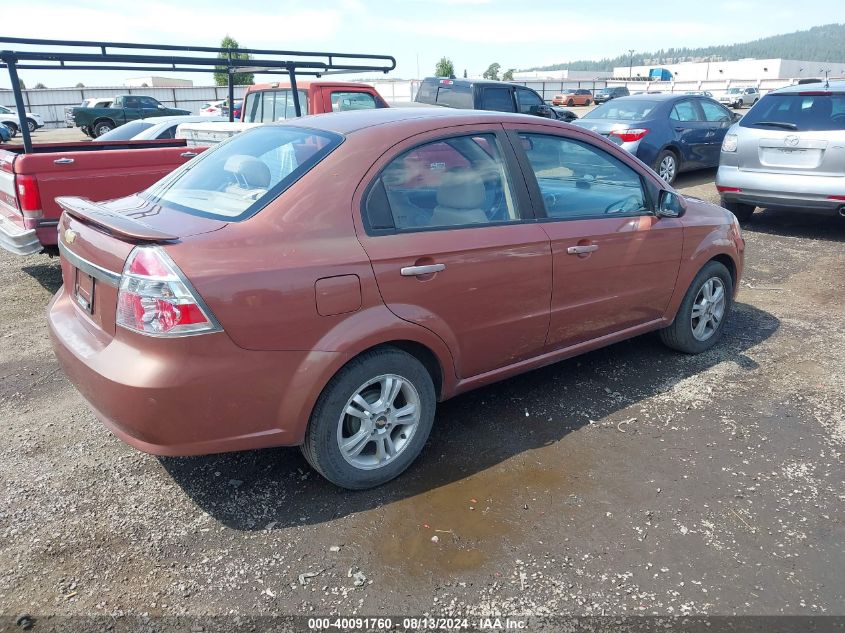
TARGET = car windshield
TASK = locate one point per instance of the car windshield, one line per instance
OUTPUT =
(799, 112)
(125, 132)
(623, 110)
(239, 177)
(734, 91)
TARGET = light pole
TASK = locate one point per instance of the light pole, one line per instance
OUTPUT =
(631, 64)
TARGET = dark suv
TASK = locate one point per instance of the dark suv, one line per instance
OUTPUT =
(472, 94)
(611, 93)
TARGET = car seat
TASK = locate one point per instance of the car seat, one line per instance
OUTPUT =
(459, 199)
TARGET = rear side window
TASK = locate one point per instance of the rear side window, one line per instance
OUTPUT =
(458, 182)
(799, 112)
(498, 99)
(454, 96)
(239, 177)
(342, 101)
(684, 111)
(267, 106)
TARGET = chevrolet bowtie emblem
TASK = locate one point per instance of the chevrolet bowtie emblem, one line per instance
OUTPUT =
(70, 235)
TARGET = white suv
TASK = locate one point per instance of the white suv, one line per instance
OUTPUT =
(740, 97)
(33, 121)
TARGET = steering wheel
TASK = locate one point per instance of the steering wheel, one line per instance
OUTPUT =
(629, 203)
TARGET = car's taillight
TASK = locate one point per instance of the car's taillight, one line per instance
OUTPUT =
(730, 142)
(723, 189)
(156, 299)
(630, 135)
(29, 199)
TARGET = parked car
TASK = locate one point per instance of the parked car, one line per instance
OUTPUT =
(215, 108)
(33, 120)
(237, 109)
(93, 102)
(700, 93)
(30, 183)
(606, 94)
(580, 97)
(671, 133)
(487, 95)
(266, 103)
(325, 282)
(153, 129)
(787, 152)
(5, 134)
(11, 123)
(97, 121)
(740, 97)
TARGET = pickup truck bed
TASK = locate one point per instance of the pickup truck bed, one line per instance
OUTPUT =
(30, 183)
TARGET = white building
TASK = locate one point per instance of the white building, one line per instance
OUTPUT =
(743, 70)
(561, 75)
(154, 81)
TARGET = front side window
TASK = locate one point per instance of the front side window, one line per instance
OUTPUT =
(454, 182)
(239, 177)
(578, 180)
(498, 99)
(528, 101)
(267, 106)
(148, 103)
(131, 102)
(342, 101)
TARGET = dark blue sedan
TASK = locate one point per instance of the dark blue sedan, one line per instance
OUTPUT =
(670, 133)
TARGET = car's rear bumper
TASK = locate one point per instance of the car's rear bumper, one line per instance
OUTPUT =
(782, 191)
(192, 395)
(16, 238)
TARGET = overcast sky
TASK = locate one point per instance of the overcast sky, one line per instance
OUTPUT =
(473, 33)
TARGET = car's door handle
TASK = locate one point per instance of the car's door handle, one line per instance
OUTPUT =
(578, 250)
(63, 161)
(413, 271)
(188, 154)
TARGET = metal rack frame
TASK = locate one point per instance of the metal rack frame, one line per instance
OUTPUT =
(134, 56)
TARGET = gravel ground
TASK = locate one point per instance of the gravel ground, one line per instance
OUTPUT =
(631, 480)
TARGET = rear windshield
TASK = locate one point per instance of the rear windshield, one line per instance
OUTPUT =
(269, 106)
(623, 110)
(125, 132)
(798, 112)
(239, 177)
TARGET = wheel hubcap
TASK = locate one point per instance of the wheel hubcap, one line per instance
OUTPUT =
(667, 168)
(378, 422)
(708, 309)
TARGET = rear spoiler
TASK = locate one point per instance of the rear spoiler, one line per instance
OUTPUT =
(115, 223)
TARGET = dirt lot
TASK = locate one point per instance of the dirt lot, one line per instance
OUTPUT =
(629, 480)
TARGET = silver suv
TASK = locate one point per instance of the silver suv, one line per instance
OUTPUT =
(740, 97)
(787, 152)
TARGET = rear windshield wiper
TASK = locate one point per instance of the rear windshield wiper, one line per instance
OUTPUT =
(783, 124)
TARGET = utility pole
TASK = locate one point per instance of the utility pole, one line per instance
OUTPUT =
(631, 64)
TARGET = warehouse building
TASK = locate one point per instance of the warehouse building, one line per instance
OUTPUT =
(743, 69)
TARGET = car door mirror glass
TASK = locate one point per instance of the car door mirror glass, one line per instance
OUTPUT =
(671, 205)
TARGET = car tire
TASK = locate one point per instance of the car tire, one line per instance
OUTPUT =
(570, 103)
(667, 165)
(587, 102)
(364, 380)
(700, 320)
(743, 212)
(13, 129)
(32, 125)
(101, 127)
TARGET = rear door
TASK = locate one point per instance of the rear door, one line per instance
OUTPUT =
(447, 225)
(131, 108)
(690, 132)
(615, 262)
(718, 119)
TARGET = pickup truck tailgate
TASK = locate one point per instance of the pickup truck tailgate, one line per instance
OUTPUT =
(15, 236)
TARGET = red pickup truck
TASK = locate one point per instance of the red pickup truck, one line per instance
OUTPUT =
(29, 183)
(265, 103)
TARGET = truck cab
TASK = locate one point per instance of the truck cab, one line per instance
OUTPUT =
(266, 103)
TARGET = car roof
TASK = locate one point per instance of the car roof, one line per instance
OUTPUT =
(355, 120)
(655, 96)
(182, 118)
(832, 86)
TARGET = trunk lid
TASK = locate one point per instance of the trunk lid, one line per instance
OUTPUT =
(788, 152)
(95, 240)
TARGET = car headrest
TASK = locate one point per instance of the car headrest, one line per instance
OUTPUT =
(461, 189)
(249, 171)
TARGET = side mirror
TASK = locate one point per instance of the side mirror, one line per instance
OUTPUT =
(544, 111)
(670, 205)
(736, 116)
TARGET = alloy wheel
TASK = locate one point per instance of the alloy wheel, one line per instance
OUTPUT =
(708, 309)
(378, 422)
(667, 168)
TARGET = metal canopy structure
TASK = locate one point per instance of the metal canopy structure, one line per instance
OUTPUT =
(82, 55)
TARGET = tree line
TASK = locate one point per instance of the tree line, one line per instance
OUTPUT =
(446, 68)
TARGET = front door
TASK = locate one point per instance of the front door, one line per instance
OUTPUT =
(615, 262)
(448, 230)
